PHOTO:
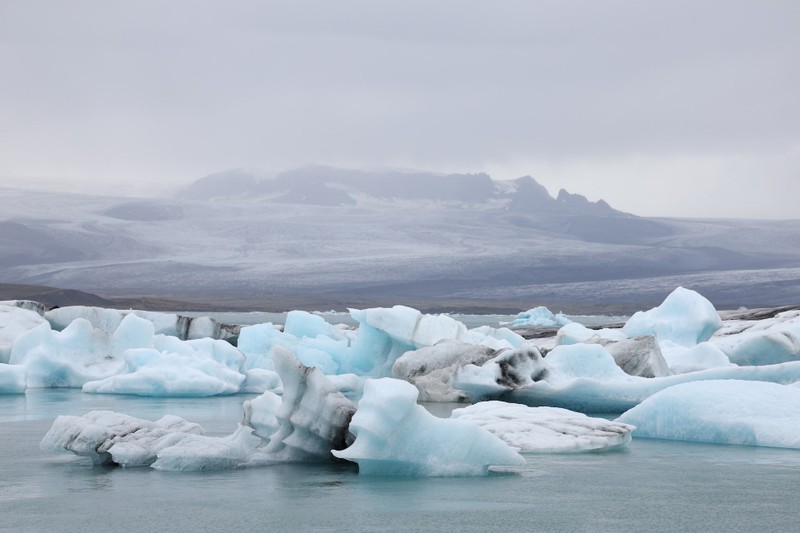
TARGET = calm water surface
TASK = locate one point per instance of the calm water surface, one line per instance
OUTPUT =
(649, 486)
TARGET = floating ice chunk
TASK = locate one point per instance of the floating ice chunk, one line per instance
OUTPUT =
(313, 416)
(100, 318)
(303, 324)
(150, 372)
(107, 320)
(201, 453)
(14, 321)
(638, 356)
(260, 380)
(29, 305)
(700, 357)
(66, 358)
(545, 429)
(109, 437)
(13, 379)
(409, 326)
(576, 333)
(539, 317)
(383, 336)
(259, 342)
(255, 342)
(684, 317)
(600, 386)
(132, 332)
(347, 383)
(762, 342)
(431, 368)
(496, 338)
(395, 436)
(512, 369)
(413, 329)
(749, 413)
(261, 414)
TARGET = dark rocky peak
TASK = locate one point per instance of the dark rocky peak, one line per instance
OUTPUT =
(529, 194)
(579, 204)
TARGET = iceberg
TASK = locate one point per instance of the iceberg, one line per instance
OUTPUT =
(586, 378)
(13, 379)
(395, 436)
(202, 453)
(108, 320)
(762, 342)
(67, 358)
(576, 333)
(150, 372)
(260, 413)
(313, 416)
(14, 321)
(383, 336)
(170, 443)
(431, 369)
(545, 429)
(108, 437)
(638, 356)
(703, 356)
(539, 317)
(511, 370)
(684, 317)
(747, 413)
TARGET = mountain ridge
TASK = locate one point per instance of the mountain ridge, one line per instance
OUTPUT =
(335, 187)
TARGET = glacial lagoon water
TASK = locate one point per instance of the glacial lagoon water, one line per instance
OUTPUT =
(648, 486)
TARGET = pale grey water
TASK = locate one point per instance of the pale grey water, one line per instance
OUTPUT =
(650, 486)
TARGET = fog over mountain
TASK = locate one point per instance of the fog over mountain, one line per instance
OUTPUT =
(323, 237)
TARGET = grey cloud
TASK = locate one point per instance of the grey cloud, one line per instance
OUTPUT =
(175, 90)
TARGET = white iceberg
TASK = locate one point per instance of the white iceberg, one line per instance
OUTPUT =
(313, 416)
(508, 371)
(684, 317)
(14, 321)
(431, 369)
(703, 356)
(545, 429)
(202, 453)
(538, 317)
(383, 336)
(576, 333)
(13, 379)
(150, 372)
(109, 437)
(761, 342)
(395, 436)
(585, 378)
(67, 358)
(108, 320)
(748, 413)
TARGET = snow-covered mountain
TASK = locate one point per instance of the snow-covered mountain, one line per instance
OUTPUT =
(320, 237)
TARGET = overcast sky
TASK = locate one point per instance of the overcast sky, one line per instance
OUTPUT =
(675, 108)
